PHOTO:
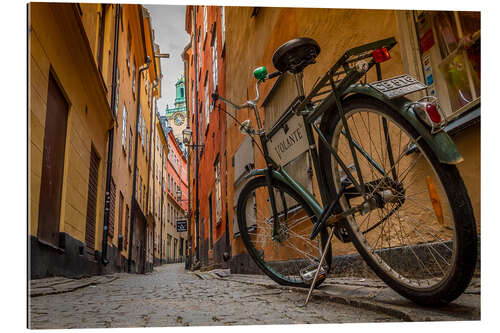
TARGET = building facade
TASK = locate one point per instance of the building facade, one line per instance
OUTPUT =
(91, 114)
(439, 48)
(174, 241)
(205, 74)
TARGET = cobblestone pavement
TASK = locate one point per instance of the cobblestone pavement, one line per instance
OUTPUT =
(170, 296)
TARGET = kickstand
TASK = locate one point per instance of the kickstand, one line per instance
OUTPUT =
(323, 255)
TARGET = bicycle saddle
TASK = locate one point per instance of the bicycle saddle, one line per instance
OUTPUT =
(295, 55)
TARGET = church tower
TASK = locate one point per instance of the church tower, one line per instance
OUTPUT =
(176, 116)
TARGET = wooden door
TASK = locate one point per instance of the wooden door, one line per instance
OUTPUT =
(54, 143)
(92, 203)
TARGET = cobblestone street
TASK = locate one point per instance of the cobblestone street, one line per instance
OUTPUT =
(170, 296)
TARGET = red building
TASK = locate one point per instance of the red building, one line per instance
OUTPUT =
(175, 205)
(205, 74)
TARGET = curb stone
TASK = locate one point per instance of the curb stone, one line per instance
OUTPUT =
(379, 298)
(64, 285)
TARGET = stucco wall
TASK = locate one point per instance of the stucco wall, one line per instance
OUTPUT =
(251, 42)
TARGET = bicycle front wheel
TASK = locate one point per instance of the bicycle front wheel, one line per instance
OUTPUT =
(418, 234)
(288, 254)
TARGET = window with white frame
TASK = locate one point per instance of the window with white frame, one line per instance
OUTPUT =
(129, 47)
(124, 126)
(133, 79)
(223, 25)
(130, 148)
(214, 62)
(205, 21)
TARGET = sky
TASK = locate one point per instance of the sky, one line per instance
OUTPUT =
(170, 34)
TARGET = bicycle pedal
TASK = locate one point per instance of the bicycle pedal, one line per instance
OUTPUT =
(307, 273)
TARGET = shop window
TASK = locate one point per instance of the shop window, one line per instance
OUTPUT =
(450, 55)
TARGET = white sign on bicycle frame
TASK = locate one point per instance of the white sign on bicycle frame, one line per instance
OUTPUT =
(289, 142)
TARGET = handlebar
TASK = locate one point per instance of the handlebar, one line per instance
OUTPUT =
(250, 103)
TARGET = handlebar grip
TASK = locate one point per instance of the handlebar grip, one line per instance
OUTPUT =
(215, 96)
(274, 74)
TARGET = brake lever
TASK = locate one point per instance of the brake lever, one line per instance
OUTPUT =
(273, 75)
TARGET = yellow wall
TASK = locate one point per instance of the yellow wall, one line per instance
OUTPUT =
(89, 116)
(251, 42)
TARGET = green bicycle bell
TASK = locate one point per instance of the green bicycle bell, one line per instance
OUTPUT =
(260, 73)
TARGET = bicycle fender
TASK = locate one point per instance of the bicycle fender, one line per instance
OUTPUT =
(441, 143)
(282, 176)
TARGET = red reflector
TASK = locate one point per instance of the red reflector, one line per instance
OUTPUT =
(381, 55)
(433, 113)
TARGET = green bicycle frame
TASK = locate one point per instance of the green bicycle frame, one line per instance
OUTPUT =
(441, 143)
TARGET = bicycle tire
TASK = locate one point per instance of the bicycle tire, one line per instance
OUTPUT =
(458, 267)
(280, 260)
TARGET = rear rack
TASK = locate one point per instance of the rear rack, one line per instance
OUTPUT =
(338, 78)
(343, 73)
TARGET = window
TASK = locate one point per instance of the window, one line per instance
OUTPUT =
(133, 79)
(207, 106)
(223, 25)
(205, 21)
(143, 130)
(127, 218)
(218, 204)
(129, 47)
(140, 190)
(101, 33)
(210, 220)
(117, 92)
(120, 214)
(450, 55)
(124, 127)
(214, 64)
(130, 149)
(147, 146)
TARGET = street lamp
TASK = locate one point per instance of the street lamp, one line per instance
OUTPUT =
(187, 134)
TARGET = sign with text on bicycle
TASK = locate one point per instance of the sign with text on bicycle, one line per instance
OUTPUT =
(289, 142)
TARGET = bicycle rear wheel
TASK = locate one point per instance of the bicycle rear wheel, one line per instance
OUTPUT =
(284, 256)
(420, 238)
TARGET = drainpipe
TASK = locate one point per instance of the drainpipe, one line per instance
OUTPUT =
(134, 183)
(196, 165)
(188, 253)
(161, 207)
(153, 136)
(104, 258)
(149, 158)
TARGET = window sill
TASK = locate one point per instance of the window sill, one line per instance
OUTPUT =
(52, 246)
(464, 120)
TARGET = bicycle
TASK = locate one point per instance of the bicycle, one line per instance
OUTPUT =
(386, 175)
